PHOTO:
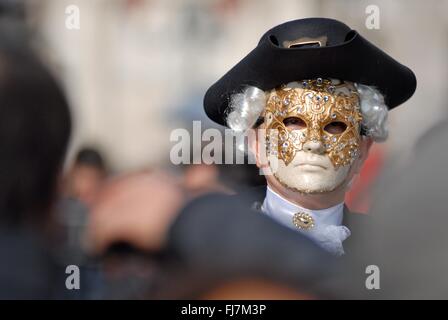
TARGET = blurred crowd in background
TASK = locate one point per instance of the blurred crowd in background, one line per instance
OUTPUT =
(87, 180)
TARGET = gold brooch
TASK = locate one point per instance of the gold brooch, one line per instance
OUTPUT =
(303, 220)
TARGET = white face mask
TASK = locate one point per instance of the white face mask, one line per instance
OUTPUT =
(309, 172)
(313, 133)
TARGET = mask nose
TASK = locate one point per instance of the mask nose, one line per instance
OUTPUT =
(314, 146)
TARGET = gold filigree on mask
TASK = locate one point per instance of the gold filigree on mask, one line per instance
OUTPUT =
(317, 103)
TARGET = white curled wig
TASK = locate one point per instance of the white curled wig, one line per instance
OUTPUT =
(374, 112)
(246, 107)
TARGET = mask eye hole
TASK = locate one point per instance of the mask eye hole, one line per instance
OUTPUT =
(335, 127)
(294, 123)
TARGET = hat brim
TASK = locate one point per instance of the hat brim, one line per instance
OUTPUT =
(270, 65)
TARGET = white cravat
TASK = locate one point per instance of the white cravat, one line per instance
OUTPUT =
(327, 231)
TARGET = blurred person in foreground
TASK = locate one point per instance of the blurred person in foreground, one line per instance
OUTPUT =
(317, 94)
(34, 132)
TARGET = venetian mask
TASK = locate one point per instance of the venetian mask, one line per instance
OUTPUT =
(328, 118)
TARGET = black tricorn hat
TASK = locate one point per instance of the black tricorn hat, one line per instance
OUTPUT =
(311, 48)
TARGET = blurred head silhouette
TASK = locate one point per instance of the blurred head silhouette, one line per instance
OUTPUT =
(87, 175)
(34, 130)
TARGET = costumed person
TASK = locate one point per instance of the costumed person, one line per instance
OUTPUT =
(321, 94)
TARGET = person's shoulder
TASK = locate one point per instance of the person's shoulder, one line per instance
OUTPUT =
(245, 197)
(212, 212)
